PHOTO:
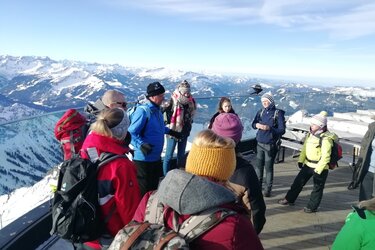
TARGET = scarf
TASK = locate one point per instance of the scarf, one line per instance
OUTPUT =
(180, 115)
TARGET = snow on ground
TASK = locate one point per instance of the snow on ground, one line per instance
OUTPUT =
(24, 199)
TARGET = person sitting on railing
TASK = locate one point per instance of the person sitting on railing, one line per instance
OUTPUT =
(245, 180)
(178, 115)
(225, 106)
(358, 233)
(313, 162)
(364, 169)
(270, 123)
(118, 188)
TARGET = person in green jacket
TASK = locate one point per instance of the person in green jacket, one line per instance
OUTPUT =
(313, 162)
(359, 229)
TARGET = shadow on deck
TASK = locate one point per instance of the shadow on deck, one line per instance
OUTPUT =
(288, 227)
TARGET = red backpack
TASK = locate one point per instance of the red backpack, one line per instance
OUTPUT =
(70, 131)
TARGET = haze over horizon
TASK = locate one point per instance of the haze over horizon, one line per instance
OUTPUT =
(317, 41)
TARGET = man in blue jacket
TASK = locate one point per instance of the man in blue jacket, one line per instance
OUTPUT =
(270, 123)
(147, 131)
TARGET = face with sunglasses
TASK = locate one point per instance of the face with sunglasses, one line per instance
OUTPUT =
(118, 104)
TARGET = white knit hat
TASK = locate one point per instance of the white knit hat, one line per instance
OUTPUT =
(319, 119)
(269, 97)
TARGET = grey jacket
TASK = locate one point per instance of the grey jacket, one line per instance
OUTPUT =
(189, 194)
(364, 158)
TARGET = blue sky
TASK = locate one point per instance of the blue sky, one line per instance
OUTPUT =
(322, 39)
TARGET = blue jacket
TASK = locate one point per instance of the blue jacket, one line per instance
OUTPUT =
(277, 126)
(151, 131)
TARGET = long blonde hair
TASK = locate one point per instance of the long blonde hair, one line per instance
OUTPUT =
(107, 119)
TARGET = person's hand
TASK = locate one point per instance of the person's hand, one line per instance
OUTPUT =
(175, 134)
(146, 148)
(262, 126)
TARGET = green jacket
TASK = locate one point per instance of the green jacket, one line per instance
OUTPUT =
(357, 233)
(314, 156)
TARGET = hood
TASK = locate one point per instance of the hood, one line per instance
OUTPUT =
(189, 194)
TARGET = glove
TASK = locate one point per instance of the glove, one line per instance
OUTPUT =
(175, 134)
(300, 165)
(146, 148)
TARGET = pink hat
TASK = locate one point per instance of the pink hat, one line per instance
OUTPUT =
(228, 125)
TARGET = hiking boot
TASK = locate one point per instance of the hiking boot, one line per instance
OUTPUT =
(285, 202)
(309, 210)
(267, 194)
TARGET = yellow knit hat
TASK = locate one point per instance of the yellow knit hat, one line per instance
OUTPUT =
(218, 163)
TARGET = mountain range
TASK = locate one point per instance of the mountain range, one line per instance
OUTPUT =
(33, 86)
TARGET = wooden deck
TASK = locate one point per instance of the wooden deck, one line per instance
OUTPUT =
(288, 227)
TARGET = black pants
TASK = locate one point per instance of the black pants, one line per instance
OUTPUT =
(148, 175)
(301, 179)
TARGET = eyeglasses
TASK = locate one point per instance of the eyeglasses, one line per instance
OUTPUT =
(123, 104)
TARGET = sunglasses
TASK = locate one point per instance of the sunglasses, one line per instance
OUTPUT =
(123, 104)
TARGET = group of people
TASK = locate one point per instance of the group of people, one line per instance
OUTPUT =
(224, 178)
(213, 158)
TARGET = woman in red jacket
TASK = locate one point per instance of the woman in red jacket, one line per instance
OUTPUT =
(119, 193)
(209, 165)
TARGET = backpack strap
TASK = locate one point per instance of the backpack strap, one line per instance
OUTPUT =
(154, 210)
(134, 236)
(275, 115)
(71, 139)
(106, 157)
(198, 224)
(165, 240)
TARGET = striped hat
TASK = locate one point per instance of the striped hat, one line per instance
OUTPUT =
(319, 119)
(269, 97)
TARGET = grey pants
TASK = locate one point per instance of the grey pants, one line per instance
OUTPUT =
(266, 154)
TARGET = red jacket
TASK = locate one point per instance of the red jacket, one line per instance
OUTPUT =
(234, 232)
(117, 183)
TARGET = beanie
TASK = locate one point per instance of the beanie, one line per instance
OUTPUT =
(319, 119)
(155, 88)
(228, 125)
(218, 163)
(269, 97)
(184, 87)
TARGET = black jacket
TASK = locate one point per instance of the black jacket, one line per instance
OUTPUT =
(245, 176)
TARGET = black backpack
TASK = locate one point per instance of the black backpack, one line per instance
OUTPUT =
(75, 206)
